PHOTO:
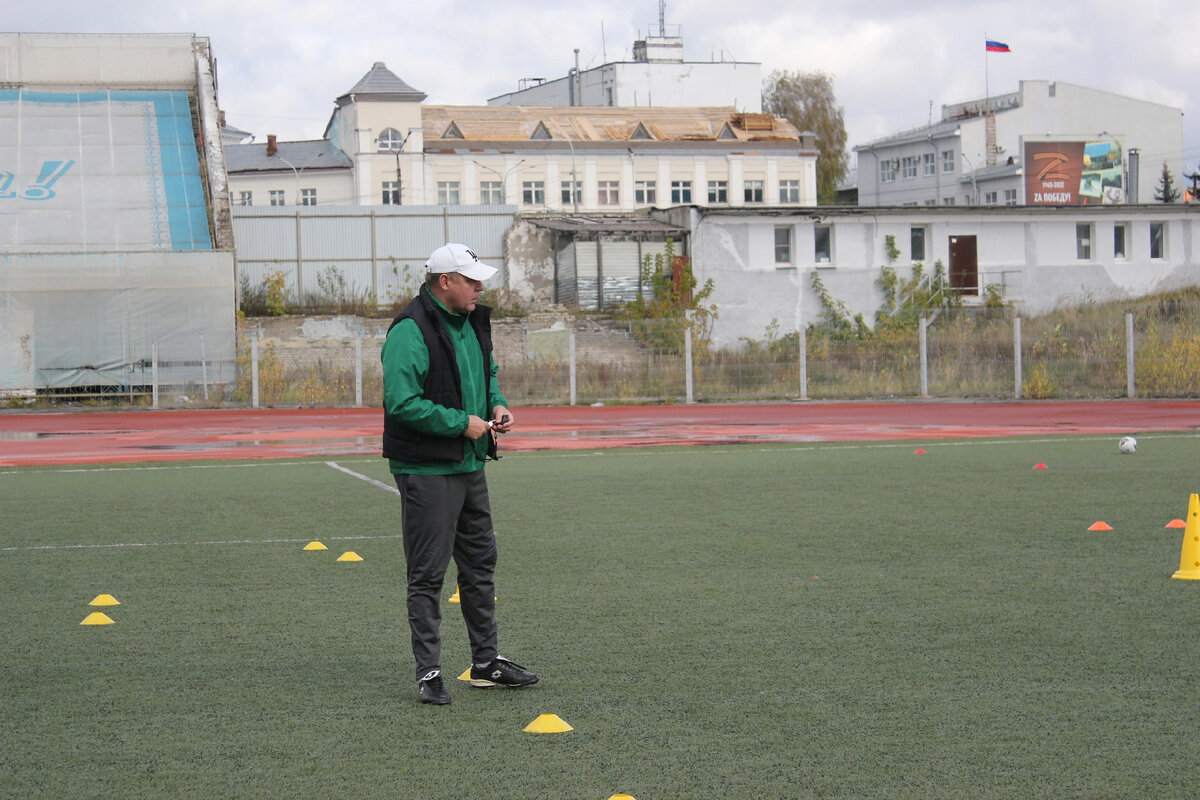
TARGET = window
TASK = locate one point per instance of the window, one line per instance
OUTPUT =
(887, 171)
(753, 191)
(928, 165)
(246, 198)
(948, 201)
(308, 197)
(277, 198)
(390, 139)
(572, 197)
(1083, 241)
(947, 161)
(491, 193)
(608, 193)
(916, 247)
(990, 198)
(1010, 197)
(1157, 243)
(391, 193)
(789, 191)
(783, 244)
(681, 191)
(447, 193)
(533, 193)
(643, 192)
(718, 192)
(908, 167)
(822, 251)
(1121, 240)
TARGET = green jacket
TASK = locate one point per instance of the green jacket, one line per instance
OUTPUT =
(405, 359)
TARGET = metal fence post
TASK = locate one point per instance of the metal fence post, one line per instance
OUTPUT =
(687, 363)
(1017, 379)
(572, 367)
(254, 371)
(803, 364)
(154, 374)
(924, 358)
(203, 368)
(1129, 355)
(358, 375)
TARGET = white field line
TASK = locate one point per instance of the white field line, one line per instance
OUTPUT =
(362, 477)
(178, 544)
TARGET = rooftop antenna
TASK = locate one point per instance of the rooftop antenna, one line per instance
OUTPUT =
(603, 44)
(662, 18)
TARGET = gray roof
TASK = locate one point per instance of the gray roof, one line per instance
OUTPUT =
(382, 84)
(938, 130)
(314, 154)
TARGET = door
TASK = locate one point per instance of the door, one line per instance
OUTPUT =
(964, 266)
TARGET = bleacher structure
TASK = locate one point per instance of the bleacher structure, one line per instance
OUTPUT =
(116, 246)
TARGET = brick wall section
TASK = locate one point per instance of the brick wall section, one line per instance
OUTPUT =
(327, 343)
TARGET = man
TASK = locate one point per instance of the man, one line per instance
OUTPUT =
(442, 405)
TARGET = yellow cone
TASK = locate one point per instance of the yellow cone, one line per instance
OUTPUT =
(466, 676)
(454, 598)
(97, 618)
(315, 545)
(104, 600)
(1189, 556)
(548, 723)
(349, 555)
(622, 797)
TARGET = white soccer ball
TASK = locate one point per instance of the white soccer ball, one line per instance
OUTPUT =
(1127, 445)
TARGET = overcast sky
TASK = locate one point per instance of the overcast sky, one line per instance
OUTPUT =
(281, 63)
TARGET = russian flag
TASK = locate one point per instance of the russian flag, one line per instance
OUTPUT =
(997, 47)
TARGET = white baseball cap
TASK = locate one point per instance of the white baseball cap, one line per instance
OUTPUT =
(459, 258)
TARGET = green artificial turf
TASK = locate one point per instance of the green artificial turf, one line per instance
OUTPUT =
(743, 622)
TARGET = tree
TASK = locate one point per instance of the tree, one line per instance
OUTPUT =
(806, 100)
(1166, 191)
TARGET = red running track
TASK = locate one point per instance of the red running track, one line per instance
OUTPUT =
(52, 438)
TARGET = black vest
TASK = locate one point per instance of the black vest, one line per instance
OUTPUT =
(443, 384)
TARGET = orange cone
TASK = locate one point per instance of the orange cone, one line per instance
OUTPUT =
(1100, 526)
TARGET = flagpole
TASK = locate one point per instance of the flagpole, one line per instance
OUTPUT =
(986, 88)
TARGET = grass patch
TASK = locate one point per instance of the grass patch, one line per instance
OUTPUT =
(782, 621)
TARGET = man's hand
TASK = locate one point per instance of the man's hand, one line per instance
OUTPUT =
(502, 420)
(476, 427)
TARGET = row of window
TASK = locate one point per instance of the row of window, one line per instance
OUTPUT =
(908, 166)
(822, 244)
(533, 193)
(823, 238)
(608, 193)
(277, 197)
(1084, 237)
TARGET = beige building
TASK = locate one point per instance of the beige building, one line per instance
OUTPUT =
(384, 146)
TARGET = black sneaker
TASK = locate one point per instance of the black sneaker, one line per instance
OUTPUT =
(501, 672)
(433, 690)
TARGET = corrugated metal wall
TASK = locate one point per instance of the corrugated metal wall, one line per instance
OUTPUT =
(619, 262)
(376, 249)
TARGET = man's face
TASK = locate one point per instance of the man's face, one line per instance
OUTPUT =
(459, 293)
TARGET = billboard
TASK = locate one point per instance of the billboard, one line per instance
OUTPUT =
(1074, 173)
(99, 171)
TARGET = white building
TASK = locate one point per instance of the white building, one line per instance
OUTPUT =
(1037, 259)
(1048, 143)
(657, 76)
(383, 146)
